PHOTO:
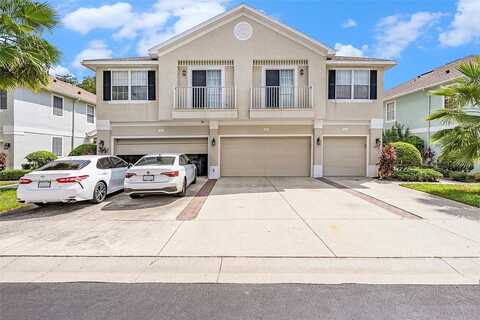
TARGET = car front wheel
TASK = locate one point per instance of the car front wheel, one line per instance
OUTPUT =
(100, 192)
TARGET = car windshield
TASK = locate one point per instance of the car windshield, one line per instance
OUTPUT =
(156, 161)
(65, 165)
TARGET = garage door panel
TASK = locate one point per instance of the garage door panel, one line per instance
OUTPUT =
(344, 156)
(255, 156)
(146, 146)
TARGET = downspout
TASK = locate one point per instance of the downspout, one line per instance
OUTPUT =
(72, 145)
(429, 122)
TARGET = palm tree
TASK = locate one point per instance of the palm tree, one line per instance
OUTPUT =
(461, 138)
(25, 57)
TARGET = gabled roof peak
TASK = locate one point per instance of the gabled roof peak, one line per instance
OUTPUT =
(246, 10)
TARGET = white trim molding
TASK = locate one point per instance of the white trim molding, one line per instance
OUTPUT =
(385, 110)
(318, 124)
(103, 125)
(376, 123)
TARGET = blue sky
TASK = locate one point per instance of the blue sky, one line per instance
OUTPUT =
(419, 34)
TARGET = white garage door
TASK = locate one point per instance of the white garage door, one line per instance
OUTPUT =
(344, 156)
(279, 156)
(146, 146)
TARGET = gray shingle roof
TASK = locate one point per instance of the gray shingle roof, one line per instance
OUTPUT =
(432, 78)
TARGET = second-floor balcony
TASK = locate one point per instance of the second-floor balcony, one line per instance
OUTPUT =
(204, 103)
(281, 102)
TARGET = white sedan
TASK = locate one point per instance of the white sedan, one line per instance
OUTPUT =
(160, 173)
(73, 179)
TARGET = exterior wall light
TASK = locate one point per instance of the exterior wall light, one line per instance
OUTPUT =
(302, 72)
(377, 143)
(184, 72)
(319, 142)
(6, 146)
(213, 142)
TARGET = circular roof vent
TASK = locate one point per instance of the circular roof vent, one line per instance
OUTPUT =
(243, 31)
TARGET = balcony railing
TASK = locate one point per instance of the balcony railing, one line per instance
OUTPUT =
(281, 98)
(201, 98)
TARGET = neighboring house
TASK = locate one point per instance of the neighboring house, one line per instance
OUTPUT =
(244, 95)
(32, 121)
(410, 102)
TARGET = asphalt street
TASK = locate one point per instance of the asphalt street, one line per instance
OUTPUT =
(227, 301)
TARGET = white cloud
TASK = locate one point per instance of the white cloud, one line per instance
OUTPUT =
(348, 50)
(395, 33)
(350, 23)
(58, 70)
(113, 16)
(165, 19)
(96, 49)
(465, 26)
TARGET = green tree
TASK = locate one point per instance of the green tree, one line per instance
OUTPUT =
(89, 84)
(461, 139)
(25, 57)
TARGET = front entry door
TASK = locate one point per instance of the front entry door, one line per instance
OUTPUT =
(272, 83)
(199, 83)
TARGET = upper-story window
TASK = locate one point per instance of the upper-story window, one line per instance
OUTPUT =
(3, 100)
(139, 85)
(348, 84)
(57, 106)
(390, 111)
(119, 85)
(90, 114)
(447, 104)
(128, 85)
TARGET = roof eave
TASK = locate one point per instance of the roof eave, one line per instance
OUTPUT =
(398, 95)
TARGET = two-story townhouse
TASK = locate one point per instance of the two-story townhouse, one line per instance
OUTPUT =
(56, 118)
(245, 95)
(410, 102)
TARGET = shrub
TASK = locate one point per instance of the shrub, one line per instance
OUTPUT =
(3, 160)
(38, 159)
(386, 162)
(417, 174)
(417, 142)
(407, 155)
(398, 132)
(84, 149)
(458, 176)
(476, 177)
(12, 174)
(448, 163)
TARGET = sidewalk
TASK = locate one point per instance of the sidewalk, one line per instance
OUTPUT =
(241, 270)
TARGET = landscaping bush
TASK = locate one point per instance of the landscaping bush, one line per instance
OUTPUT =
(417, 174)
(12, 174)
(447, 164)
(3, 160)
(407, 155)
(417, 142)
(386, 163)
(38, 159)
(458, 176)
(476, 177)
(84, 149)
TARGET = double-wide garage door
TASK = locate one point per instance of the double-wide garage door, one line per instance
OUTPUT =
(344, 156)
(164, 145)
(269, 156)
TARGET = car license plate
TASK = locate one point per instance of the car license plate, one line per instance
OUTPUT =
(148, 178)
(44, 184)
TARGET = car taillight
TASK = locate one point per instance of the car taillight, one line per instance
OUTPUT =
(24, 181)
(72, 179)
(130, 174)
(171, 173)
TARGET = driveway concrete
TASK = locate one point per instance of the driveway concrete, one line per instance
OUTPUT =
(250, 230)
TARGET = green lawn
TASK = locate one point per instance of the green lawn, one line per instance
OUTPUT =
(8, 200)
(6, 183)
(465, 193)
